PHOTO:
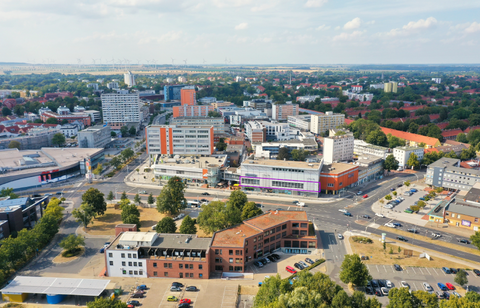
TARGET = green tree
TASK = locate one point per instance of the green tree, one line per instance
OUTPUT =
(250, 210)
(110, 196)
(85, 214)
(132, 131)
(299, 155)
(72, 243)
(124, 196)
(395, 193)
(237, 199)
(106, 302)
(390, 163)
(127, 154)
(283, 154)
(401, 298)
(132, 220)
(462, 138)
(407, 183)
(124, 131)
(115, 162)
(58, 138)
(137, 199)
(221, 145)
(377, 137)
(113, 134)
(150, 199)
(98, 170)
(413, 128)
(51, 121)
(451, 154)
(8, 192)
(461, 278)
(476, 239)
(6, 111)
(213, 217)
(172, 197)
(354, 271)
(14, 144)
(96, 199)
(425, 299)
(188, 226)
(130, 213)
(388, 197)
(53, 208)
(413, 161)
(394, 142)
(166, 225)
(214, 114)
(270, 291)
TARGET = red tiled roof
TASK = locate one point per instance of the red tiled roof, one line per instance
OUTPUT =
(454, 143)
(430, 150)
(442, 125)
(234, 236)
(348, 121)
(410, 137)
(468, 129)
(451, 132)
(434, 116)
(12, 129)
(273, 218)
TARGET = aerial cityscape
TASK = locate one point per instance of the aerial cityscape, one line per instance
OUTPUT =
(230, 154)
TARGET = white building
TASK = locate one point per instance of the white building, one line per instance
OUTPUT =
(338, 148)
(129, 79)
(69, 130)
(238, 79)
(219, 126)
(79, 109)
(377, 86)
(97, 136)
(402, 154)
(358, 96)
(282, 111)
(300, 121)
(437, 80)
(357, 88)
(271, 149)
(321, 123)
(121, 109)
(113, 85)
(94, 86)
(361, 147)
(273, 130)
(182, 79)
(94, 114)
(307, 98)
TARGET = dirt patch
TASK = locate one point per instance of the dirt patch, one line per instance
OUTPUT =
(377, 255)
(62, 259)
(248, 290)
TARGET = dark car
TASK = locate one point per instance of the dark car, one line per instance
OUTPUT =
(205, 194)
(276, 256)
(102, 250)
(347, 214)
(177, 284)
(392, 189)
(377, 292)
(369, 290)
(446, 295)
(453, 270)
(397, 224)
(401, 238)
(464, 241)
(184, 305)
(137, 295)
(381, 283)
(366, 216)
(477, 272)
(271, 259)
(191, 289)
(298, 266)
(400, 185)
(308, 260)
(412, 230)
(203, 200)
(397, 267)
(134, 303)
(374, 283)
(58, 193)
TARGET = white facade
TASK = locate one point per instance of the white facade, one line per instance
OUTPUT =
(182, 79)
(94, 114)
(437, 80)
(113, 85)
(271, 149)
(358, 96)
(361, 147)
(307, 98)
(120, 109)
(321, 123)
(179, 139)
(129, 79)
(402, 154)
(377, 86)
(300, 121)
(93, 86)
(338, 148)
(69, 130)
(357, 88)
(219, 126)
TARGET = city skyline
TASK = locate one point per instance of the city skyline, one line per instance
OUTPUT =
(240, 32)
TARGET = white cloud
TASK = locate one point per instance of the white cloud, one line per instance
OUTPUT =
(344, 36)
(371, 22)
(241, 26)
(353, 24)
(315, 3)
(322, 27)
(338, 28)
(414, 27)
(473, 27)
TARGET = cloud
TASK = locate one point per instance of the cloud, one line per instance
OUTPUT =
(322, 27)
(166, 37)
(414, 27)
(315, 3)
(353, 24)
(371, 22)
(473, 27)
(344, 36)
(230, 3)
(241, 26)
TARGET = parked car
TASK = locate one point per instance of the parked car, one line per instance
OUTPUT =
(366, 216)
(442, 287)
(436, 235)
(342, 210)
(401, 238)
(102, 250)
(305, 265)
(298, 266)
(172, 298)
(427, 287)
(185, 300)
(397, 267)
(347, 214)
(272, 259)
(134, 303)
(390, 225)
(381, 283)
(340, 237)
(384, 291)
(397, 224)
(142, 192)
(137, 295)
(405, 284)
(400, 185)
(446, 270)
(449, 286)
(369, 290)
(365, 196)
(291, 270)
(142, 287)
(205, 194)
(175, 289)
(476, 272)
(377, 292)
(258, 264)
(379, 215)
(389, 284)
(453, 270)
(359, 192)
(456, 294)
(276, 256)
(439, 295)
(409, 211)
(177, 284)
(392, 189)
(184, 305)
(446, 295)
(374, 283)
(191, 289)
(308, 260)
(413, 190)
(388, 206)
(266, 260)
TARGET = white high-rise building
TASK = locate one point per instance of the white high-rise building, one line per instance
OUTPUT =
(338, 148)
(129, 79)
(402, 154)
(321, 123)
(121, 109)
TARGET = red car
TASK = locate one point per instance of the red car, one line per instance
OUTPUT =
(450, 286)
(365, 196)
(185, 300)
(291, 270)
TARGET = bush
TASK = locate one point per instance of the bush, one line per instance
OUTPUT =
(72, 253)
(363, 240)
(110, 174)
(147, 170)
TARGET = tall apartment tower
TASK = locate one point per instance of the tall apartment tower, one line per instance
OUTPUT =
(179, 139)
(321, 123)
(121, 109)
(390, 87)
(129, 79)
(338, 148)
(188, 96)
(282, 111)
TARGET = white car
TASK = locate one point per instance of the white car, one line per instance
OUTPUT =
(340, 237)
(405, 284)
(359, 192)
(379, 215)
(389, 224)
(388, 206)
(301, 204)
(389, 284)
(303, 263)
(427, 287)
(342, 210)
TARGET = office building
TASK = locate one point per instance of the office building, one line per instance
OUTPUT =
(255, 131)
(192, 111)
(207, 100)
(271, 149)
(437, 80)
(113, 85)
(219, 126)
(447, 173)
(95, 115)
(69, 130)
(259, 131)
(179, 139)
(338, 148)
(129, 79)
(361, 147)
(280, 177)
(258, 104)
(390, 87)
(282, 111)
(121, 110)
(188, 96)
(463, 211)
(172, 92)
(337, 177)
(321, 123)
(66, 115)
(36, 139)
(95, 137)
(238, 116)
(402, 154)
(301, 122)
(370, 168)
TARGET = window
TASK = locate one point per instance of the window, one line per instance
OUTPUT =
(295, 225)
(165, 274)
(134, 263)
(230, 260)
(246, 243)
(288, 244)
(154, 264)
(218, 251)
(303, 225)
(303, 233)
(129, 263)
(123, 255)
(284, 226)
(134, 256)
(129, 255)
(110, 254)
(238, 252)
(330, 185)
(278, 229)
(123, 263)
(200, 275)
(130, 272)
(254, 247)
(180, 265)
(200, 266)
(218, 260)
(218, 268)
(266, 241)
(303, 244)
(272, 238)
(155, 274)
(230, 252)
(165, 265)
(238, 268)
(295, 232)
(140, 272)
(311, 244)
(230, 268)
(111, 262)
(278, 236)
(238, 260)
(284, 234)
(139, 263)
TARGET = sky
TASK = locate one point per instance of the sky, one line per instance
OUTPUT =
(240, 31)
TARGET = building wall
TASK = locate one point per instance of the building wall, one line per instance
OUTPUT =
(332, 182)
(191, 110)
(188, 96)
(189, 140)
(169, 268)
(125, 263)
(463, 221)
(85, 119)
(120, 109)
(219, 126)
(402, 155)
(282, 111)
(94, 138)
(338, 148)
(321, 123)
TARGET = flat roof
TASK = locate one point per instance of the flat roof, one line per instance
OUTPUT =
(337, 168)
(179, 241)
(273, 218)
(137, 236)
(281, 163)
(52, 285)
(191, 161)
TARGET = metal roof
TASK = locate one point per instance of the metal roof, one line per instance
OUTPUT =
(51, 285)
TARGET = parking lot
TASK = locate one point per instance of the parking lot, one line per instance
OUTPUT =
(415, 276)
(272, 268)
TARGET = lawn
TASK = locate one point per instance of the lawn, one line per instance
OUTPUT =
(379, 256)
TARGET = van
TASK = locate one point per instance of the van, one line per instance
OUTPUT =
(291, 270)
(193, 204)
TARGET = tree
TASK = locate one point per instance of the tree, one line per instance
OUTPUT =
(461, 278)
(115, 162)
(132, 220)
(8, 192)
(14, 144)
(132, 131)
(51, 121)
(250, 210)
(113, 134)
(53, 208)
(394, 142)
(130, 213)
(110, 196)
(95, 198)
(425, 299)
(377, 137)
(6, 111)
(394, 193)
(388, 197)
(451, 154)
(401, 297)
(476, 239)
(188, 226)
(124, 196)
(166, 225)
(137, 199)
(283, 154)
(237, 199)
(172, 197)
(390, 163)
(58, 138)
(106, 302)
(127, 154)
(299, 155)
(124, 131)
(85, 214)
(413, 161)
(213, 217)
(214, 114)
(98, 170)
(150, 199)
(354, 271)
(462, 138)
(72, 242)
(413, 128)
(221, 145)
(407, 183)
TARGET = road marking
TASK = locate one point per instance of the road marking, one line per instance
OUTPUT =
(420, 269)
(385, 268)
(393, 269)
(428, 271)
(377, 268)
(435, 271)
(415, 286)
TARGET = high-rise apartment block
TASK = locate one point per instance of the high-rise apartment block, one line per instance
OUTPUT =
(282, 111)
(188, 96)
(321, 123)
(338, 148)
(121, 109)
(179, 139)
(129, 79)
(390, 87)
(172, 92)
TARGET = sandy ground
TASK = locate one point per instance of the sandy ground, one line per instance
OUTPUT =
(61, 259)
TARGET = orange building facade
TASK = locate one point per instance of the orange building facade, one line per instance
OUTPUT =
(338, 176)
(188, 96)
(191, 111)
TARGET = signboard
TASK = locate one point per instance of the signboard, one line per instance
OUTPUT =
(466, 223)
(384, 235)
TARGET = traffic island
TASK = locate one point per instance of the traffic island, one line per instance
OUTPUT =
(65, 258)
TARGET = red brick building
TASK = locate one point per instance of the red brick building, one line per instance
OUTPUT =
(84, 118)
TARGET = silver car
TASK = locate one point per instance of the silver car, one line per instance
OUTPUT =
(427, 287)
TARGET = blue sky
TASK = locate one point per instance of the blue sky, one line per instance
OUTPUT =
(243, 31)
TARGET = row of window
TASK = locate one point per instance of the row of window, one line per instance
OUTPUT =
(180, 265)
(187, 275)
(129, 263)
(238, 252)
(299, 244)
(130, 255)
(288, 170)
(124, 272)
(287, 184)
(230, 268)
(230, 260)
